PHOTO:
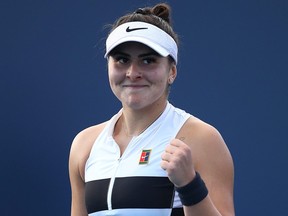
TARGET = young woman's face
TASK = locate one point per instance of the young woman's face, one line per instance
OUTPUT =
(138, 75)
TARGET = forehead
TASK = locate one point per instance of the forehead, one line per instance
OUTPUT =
(133, 47)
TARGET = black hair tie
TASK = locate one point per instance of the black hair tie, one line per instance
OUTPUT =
(140, 11)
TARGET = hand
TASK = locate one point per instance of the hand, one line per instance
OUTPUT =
(177, 161)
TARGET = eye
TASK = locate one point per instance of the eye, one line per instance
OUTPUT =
(120, 59)
(149, 60)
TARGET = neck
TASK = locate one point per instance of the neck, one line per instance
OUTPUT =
(134, 122)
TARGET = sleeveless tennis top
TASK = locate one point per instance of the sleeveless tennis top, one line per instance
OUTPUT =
(133, 184)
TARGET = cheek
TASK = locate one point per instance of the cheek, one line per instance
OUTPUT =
(158, 79)
(115, 77)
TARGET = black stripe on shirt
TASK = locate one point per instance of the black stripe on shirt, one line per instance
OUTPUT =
(130, 192)
(142, 192)
(96, 195)
(177, 212)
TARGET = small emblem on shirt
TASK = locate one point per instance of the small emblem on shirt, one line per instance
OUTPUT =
(144, 158)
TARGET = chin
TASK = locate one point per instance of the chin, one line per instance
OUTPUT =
(136, 104)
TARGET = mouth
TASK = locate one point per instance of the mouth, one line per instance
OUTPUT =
(133, 86)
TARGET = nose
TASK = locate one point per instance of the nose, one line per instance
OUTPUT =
(133, 71)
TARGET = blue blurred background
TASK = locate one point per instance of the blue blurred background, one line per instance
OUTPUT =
(232, 74)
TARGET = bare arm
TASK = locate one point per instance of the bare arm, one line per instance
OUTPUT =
(79, 153)
(201, 148)
(76, 181)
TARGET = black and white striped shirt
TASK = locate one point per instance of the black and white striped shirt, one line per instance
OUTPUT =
(133, 184)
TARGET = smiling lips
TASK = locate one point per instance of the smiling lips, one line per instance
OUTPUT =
(134, 86)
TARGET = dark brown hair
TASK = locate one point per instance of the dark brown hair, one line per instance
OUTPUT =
(159, 15)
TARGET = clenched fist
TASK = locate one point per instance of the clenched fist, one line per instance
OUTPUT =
(177, 161)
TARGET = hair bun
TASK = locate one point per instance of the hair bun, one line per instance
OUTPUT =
(162, 11)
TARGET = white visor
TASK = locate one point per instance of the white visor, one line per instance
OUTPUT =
(144, 33)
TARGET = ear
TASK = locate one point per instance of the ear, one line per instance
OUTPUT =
(172, 74)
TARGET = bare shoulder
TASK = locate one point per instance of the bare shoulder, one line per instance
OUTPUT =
(209, 150)
(81, 146)
(202, 136)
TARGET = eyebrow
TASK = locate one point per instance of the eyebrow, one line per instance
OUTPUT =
(153, 53)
